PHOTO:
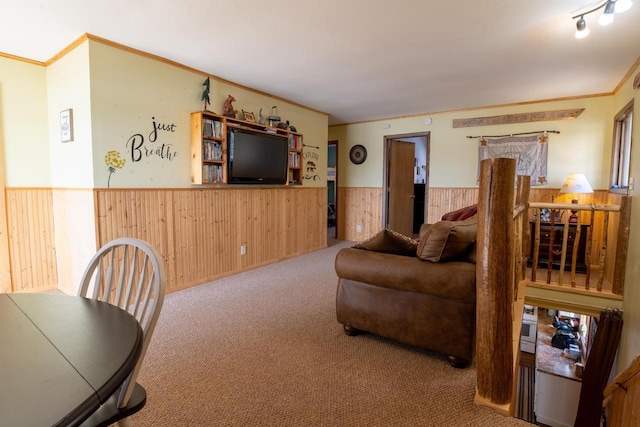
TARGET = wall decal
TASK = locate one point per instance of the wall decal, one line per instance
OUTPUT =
(310, 165)
(113, 161)
(140, 149)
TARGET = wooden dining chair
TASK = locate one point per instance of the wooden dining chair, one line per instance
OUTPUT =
(128, 273)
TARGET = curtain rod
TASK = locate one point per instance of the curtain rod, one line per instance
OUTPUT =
(514, 134)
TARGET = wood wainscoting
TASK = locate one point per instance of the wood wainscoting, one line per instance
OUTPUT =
(198, 232)
(359, 206)
(32, 254)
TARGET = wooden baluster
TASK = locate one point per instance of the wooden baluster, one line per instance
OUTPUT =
(536, 247)
(552, 235)
(576, 244)
(563, 253)
(588, 250)
(603, 250)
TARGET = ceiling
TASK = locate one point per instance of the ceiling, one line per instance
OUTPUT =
(356, 60)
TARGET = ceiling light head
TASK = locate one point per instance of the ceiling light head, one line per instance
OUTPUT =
(623, 5)
(607, 16)
(581, 28)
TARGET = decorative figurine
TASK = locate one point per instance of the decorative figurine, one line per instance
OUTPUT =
(274, 118)
(205, 94)
(261, 118)
(227, 108)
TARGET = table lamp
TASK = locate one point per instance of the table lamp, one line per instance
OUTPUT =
(576, 183)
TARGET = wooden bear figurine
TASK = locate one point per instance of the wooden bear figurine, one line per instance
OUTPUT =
(227, 108)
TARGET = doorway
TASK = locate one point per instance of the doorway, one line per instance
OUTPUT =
(332, 190)
(405, 201)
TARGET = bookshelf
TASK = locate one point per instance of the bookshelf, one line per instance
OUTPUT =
(295, 159)
(209, 161)
(208, 149)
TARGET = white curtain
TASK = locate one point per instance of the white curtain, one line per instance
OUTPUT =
(530, 153)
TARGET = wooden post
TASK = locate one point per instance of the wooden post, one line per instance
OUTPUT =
(622, 244)
(494, 288)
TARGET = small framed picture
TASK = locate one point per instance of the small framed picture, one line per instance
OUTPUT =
(66, 125)
(248, 116)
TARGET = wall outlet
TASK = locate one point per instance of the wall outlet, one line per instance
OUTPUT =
(243, 250)
(631, 184)
(358, 228)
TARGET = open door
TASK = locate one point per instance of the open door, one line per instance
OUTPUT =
(400, 187)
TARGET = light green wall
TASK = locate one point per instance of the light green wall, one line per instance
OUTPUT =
(23, 124)
(129, 92)
(68, 87)
(583, 145)
(116, 94)
(630, 343)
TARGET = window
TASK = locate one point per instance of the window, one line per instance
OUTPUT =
(621, 156)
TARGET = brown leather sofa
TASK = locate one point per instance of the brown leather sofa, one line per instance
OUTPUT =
(419, 293)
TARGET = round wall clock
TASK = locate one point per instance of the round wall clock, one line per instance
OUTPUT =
(358, 154)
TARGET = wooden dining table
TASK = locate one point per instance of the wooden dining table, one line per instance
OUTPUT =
(61, 357)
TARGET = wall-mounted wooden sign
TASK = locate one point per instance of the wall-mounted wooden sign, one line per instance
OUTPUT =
(507, 119)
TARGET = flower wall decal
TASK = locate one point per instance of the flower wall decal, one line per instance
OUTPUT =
(113, 161)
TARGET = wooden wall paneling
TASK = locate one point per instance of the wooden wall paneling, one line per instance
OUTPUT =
(313, 220)
(31, 239)
(74, 213)
(199, 231)
(443, 200)
(359, 206)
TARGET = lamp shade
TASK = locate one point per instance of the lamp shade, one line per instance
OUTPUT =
(576, 183)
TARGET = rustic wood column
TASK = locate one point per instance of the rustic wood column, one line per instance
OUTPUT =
(494, 275)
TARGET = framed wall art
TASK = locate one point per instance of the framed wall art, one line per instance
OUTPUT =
(66, 125)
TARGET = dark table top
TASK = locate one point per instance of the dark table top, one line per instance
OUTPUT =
(61, 357)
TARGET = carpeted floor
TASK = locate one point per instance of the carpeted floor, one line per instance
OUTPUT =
(263, 348)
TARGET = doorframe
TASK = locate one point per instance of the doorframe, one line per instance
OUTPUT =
(385, 174)
(335, 185)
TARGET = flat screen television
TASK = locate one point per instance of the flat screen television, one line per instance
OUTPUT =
(257, 158)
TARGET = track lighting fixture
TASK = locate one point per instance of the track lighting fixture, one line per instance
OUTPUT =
(581, 28)
(610, 7)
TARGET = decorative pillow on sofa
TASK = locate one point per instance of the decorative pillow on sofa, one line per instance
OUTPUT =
(448, 240)
(390, 242)
(461, 214)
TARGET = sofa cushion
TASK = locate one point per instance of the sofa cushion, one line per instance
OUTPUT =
(389, 242)
(461, 214)
(448, 240)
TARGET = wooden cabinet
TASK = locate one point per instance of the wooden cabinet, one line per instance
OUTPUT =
(558, 234)
(209, 148)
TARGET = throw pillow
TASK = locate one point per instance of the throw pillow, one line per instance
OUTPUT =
(461, 214)
(390, 242)
(448, 240)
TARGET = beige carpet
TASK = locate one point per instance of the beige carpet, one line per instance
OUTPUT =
(263, 348)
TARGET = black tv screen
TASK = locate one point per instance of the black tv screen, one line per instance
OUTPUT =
(257, 158)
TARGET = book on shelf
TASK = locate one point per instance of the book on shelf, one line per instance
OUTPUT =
(217, 129)
(211, 150)
(212, 173)
(207, 128)
(294, 160)
(295, 142)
